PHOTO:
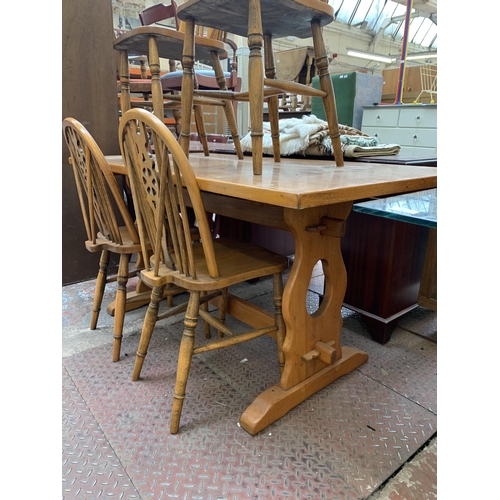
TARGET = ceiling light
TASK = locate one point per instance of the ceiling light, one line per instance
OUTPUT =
(370, 56)
(421, 55)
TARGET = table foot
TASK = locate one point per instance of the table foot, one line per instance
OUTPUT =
(272, 404)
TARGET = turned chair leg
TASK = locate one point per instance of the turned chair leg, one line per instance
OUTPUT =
(223, 310)
(256, 83)
(206, 324)
(326, 86)
(229, 110)
(200, 127)
(99, 288)
(120, 301)
(185, 357)
(273, 102)
(147, 330)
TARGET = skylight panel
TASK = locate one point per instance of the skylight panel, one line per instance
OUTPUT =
(428, 39)
(361, 12)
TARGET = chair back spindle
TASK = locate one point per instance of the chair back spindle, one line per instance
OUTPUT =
(162, 187)
(98, 191)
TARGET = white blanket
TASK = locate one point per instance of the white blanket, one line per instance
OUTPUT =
(309, 136)
(294, 135)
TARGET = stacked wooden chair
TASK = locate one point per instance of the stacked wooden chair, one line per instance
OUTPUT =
(261, 21)
(204, 79)
(163, 187)
(159, 41)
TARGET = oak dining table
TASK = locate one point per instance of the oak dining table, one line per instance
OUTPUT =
(312, 199)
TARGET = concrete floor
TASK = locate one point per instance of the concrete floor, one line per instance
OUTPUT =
(370, 435)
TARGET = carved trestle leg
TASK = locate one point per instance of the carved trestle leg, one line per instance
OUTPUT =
(256, 83)
(314, 356)
(121, 298)
(185, 357)
(278, 316)
(147, 330)
(99, 288)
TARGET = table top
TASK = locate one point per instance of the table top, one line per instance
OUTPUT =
(418, 208)
(279, 17)
(170, 43)
(302, 183)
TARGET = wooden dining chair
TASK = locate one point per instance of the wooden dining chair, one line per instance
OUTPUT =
(159, 41)
(205, 79)
(100, 200)
(261, 21)
(163, 188)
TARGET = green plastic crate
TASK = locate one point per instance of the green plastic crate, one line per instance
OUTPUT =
(353, 90)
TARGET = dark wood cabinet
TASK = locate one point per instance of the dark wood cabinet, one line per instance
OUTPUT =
(384, 259)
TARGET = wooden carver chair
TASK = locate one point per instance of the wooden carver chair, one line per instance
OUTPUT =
(205, 79)
(100, 199)
(160, 41)
(261, 21)
(205, 268)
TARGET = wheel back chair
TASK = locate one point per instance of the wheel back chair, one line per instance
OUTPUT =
(163, 187)
(100, 200)
(261, 21)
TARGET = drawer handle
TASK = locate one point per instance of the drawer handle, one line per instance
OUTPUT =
(415, 136)
(418, 118)
(378, 117)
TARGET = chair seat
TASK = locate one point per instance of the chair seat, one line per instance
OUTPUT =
(205, 78)
(237, 261)
(280, 19)
(102, 243)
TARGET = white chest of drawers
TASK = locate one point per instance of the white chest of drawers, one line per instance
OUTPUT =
(412, 126)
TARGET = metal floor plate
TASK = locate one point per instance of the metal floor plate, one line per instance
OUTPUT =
(342, 443)
(91, 470)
